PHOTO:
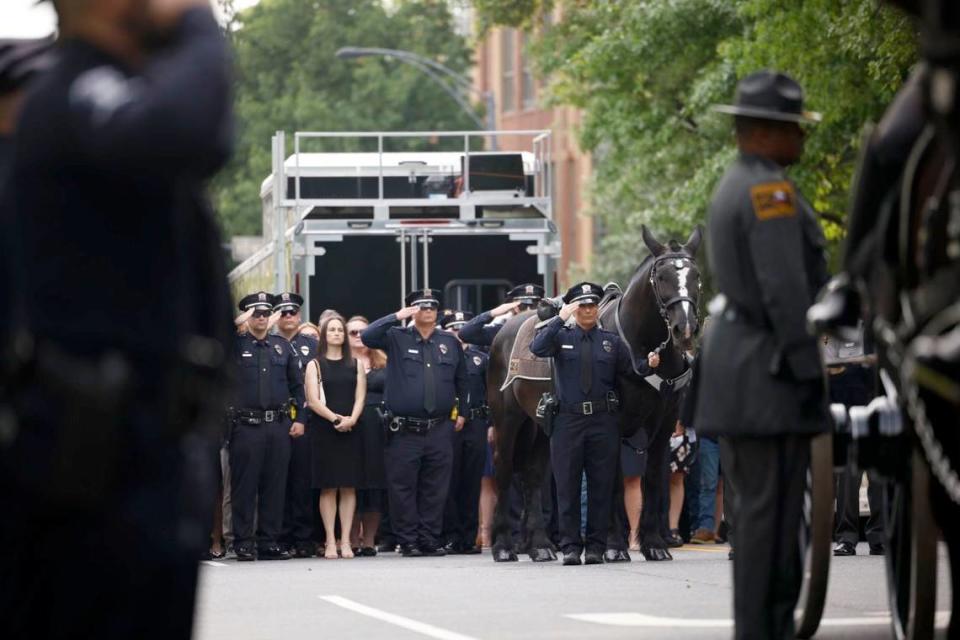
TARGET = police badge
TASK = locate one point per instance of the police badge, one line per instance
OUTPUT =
(477, 360)
(305, 350)
(278, 349)
(607, 346)
(443, 349)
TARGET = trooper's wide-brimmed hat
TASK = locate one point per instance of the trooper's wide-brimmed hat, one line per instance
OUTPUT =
(424, 298)
(584, 292)
(287, 300)
(456, 319)
(258, 300)
(769, 95)
(526, 294)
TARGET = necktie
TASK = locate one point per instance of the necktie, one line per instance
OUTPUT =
(429, 388)
(263, 374)
(586, 364)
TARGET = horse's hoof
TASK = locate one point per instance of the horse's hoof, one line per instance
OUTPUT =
(504, 555)
(542, 554)
(616, 555)
(653, 554)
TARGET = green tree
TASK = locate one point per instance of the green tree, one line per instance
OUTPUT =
(646, 72)
(288, 78)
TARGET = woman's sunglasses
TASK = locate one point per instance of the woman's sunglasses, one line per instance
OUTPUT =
(355, 332)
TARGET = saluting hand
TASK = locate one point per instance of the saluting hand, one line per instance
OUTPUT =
(296, 430)
(458, 425)
(506, 307)
(243, 317)
(274, 319)
(653, 359)
(567, 310)
(407, 312)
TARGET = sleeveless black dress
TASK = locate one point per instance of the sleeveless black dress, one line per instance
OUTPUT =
(337, 459)
(374, 471)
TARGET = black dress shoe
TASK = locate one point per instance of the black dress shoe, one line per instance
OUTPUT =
(410, 551)
(452, 547)
(246, 554)
(674, 540)
(470, 550)
(593, 557)
(429, 551)
(845, 549)
(305, 550)
(571, 558)
(273, 552)
(387, 545)
(878, 549)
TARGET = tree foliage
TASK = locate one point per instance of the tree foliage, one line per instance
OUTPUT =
(646, 72)
(288, 78)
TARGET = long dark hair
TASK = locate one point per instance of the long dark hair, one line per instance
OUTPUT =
(345, 349)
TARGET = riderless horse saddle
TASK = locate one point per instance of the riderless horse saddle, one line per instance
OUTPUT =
(523, 364)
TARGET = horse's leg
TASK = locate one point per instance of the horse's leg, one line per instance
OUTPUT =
(502, 549)
(652, 545)
(538, 546)
(616, 541)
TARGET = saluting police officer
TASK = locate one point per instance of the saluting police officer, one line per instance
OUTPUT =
(762, 384)
(586, 436)
(481, 330)
(461, 516)
(426, 378)
(260, 441)
(298, 508)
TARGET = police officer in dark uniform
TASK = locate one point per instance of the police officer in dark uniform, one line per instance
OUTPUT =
(298, 508)
(762, 383)
(461, 516)
(270, 376)
(586, 436)
(426, 379)
(112, 150)
(482, 329)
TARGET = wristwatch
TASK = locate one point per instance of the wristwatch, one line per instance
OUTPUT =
(337, 421)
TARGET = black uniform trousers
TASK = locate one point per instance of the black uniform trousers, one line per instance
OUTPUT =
(418, 469)
(298, 503)
(592, 444)
(461, 516)
(769, 474)
(259, 458)
(848, 508)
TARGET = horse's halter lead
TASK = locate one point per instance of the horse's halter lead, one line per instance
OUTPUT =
(680, 261)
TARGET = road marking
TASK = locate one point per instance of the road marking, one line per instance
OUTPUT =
(632, 619)
(392, 618)
(214, 563)
(696, 547)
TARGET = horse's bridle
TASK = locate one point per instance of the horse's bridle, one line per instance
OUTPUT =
(663, 307)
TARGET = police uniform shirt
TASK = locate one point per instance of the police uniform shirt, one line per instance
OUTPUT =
(563, 343)
(108, 171)
(405, 350)
(476, 361)
(273, 358)
(306, 349)
(478, 331)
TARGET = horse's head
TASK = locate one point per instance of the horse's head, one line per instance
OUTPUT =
(675, 280)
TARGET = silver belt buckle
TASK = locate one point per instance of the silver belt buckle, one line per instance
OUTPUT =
(268, 416)
(588, 408)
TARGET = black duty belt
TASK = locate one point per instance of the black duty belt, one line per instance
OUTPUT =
(415, 425)
(587, 408)
(476, 413)
(259, 416)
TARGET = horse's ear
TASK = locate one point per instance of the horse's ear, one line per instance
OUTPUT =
(693, 242)
(655, 247)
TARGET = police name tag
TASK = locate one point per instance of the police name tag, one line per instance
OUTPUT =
(412, 351)
(246, 354)
(566, 346)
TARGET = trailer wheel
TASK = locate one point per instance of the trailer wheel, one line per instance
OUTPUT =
(911, 555)
(816, 536)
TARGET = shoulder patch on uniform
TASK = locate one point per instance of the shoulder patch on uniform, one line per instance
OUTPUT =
(773, 200)
(103, 90)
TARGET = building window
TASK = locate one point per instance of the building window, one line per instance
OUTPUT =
(528, 95)
(508, 95)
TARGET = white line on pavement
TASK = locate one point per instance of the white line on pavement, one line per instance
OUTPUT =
(632, 619)
(214, 563)
(400, 621)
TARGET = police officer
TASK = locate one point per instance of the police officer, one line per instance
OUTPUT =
(586, 436)
(762, 382)
(298, 508)
(260, 441)
(426, 379)
(462, 514)
(112, 149)
(481, 330)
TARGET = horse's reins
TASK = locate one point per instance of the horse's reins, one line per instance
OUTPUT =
(654, 380)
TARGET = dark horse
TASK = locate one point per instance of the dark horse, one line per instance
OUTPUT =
(658, 311)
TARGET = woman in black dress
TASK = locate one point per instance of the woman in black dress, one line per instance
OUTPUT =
(336, 385)
(371, 498)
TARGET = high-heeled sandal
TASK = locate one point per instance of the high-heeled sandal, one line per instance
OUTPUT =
(330, 551)
(345, 551)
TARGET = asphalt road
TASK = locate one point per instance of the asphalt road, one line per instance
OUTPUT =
(472, 598)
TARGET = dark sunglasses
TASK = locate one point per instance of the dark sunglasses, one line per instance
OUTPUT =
(289, 312)
(355, 332)
(261, 313)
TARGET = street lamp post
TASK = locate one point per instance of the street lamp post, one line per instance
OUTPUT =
(456, 85)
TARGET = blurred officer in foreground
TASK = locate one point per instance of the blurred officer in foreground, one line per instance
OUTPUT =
(586, 436)
(481, 330)
(298, 508)
(461, 516)
(109, 458)
(426, 380)
(762, 382)
(270, 376)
